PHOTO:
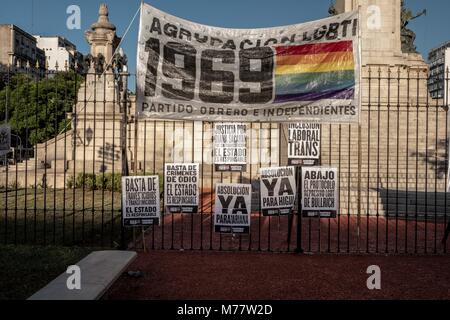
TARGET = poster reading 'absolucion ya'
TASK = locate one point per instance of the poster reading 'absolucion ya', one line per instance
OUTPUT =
(189, 71)
(278, 190)
(232, 209)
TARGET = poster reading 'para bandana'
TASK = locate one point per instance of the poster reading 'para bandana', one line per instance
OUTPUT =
(278, 190)
(320, 194)
(140, 201)
(230, 147)
(181, 187)
(308, 71)
(232, 208)
(304, 144)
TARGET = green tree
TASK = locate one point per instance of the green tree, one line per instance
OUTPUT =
(37, 109)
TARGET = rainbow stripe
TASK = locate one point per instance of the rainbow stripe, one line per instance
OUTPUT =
(315, 71)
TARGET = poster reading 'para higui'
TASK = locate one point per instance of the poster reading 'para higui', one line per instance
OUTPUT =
(320, 194)
(278, 190)
(232, 208)
(302, 72)
(181, 187)
(230, 147)
(304, 144)
(140, 201)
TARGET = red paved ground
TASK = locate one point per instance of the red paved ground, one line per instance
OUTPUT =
(253, 276)
(376, 235)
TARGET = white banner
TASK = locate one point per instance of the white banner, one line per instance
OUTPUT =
(181, 194)
(140, 201)
(278, 190)
(189, 71)
(232, 208)
(230, 147)
(320, 194)
(303, 143)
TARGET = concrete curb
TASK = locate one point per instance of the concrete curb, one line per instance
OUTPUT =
(99, 270)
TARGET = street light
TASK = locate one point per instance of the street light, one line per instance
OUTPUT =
(19, 145)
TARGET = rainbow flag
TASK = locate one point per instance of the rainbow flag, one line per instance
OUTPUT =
(313, 72)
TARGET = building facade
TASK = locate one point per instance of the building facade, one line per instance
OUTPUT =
(60, 53)
(439, 61)
(19, 51)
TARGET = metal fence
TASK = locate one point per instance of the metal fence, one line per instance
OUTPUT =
(393, 169)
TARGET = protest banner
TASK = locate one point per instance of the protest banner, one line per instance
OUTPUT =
(232, 208)
(320, 194)
(278, 190)
(230, 147)
(140, 201)
(308, 71)
(304, 144)
(181, 194)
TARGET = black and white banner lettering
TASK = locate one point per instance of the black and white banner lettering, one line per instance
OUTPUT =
(302, 72)
(232, 208)
(140, 201)
(320, 194)
(230, 147)
(181, 187)
(304, 143)
(278, 190)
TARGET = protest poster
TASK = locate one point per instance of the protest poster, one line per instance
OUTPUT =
(140, 201)
(181, 193)
(278, 190)
(304, 144)
(230, 147)
(232, 210)
(320, 194)
(303, 72)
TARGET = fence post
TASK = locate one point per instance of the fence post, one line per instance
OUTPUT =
(299, 248)
(123, 129)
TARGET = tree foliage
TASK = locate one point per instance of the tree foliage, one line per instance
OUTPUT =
(36, 109)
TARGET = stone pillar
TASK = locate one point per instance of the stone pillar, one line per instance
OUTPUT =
(98, 116)
(381, 33)
(102, 36)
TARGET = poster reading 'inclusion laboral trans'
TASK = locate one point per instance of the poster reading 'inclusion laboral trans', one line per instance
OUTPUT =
(278, 190)
(230, 147)
(140, 201)
(232, 209)
(320, 194)
(302, 72)
(304, 143)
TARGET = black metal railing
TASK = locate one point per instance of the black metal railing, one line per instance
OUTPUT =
(393, 169)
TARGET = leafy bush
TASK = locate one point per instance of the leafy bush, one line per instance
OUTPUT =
(70, 182)
(114, 182)
(100, 181)
(86, 180)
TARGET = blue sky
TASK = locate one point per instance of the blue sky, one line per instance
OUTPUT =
(48, 17)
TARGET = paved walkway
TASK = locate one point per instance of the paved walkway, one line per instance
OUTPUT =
(253, 275)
